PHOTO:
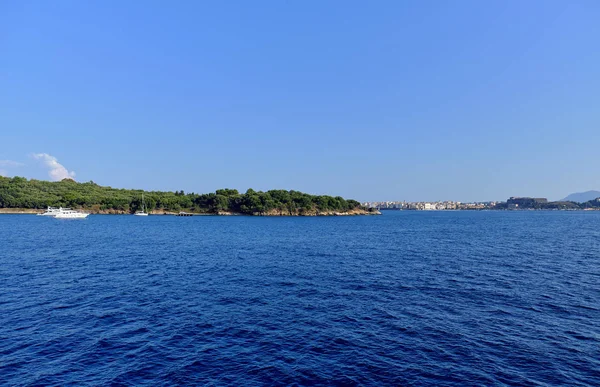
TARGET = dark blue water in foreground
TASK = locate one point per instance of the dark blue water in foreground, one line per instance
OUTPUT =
(407, 298)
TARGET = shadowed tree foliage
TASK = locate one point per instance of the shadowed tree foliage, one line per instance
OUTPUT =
(18, 192)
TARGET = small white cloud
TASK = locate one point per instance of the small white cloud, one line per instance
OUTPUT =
(3, 173)
(56, 171)
(10, 163)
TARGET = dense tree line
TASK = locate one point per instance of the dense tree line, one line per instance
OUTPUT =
(560, 205)
(18, 192)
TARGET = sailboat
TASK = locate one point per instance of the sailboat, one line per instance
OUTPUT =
(143, 211)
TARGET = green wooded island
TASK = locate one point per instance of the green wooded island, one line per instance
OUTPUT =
(19, 193)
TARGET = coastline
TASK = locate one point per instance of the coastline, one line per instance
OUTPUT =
(353, 212)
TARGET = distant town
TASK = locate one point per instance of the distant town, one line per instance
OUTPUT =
(513, 203)
(425, 206)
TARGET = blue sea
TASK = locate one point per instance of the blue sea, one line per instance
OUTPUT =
(406, 298)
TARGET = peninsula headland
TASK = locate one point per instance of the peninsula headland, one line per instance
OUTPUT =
(20, 195)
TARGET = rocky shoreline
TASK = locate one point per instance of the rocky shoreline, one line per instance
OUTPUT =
(354, 212)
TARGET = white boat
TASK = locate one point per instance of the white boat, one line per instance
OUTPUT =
(142, 212)
(70, 214)
(51, 211)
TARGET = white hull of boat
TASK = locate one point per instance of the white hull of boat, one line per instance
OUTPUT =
(64, 213)
(73, 215)
(140, 214)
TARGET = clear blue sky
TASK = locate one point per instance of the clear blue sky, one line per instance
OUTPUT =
(384, 100)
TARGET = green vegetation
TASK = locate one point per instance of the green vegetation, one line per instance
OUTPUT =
(18, 192)
(542, 206)
(560, 205)
(591, 204)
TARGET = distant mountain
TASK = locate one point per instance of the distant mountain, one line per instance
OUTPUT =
(582, 197)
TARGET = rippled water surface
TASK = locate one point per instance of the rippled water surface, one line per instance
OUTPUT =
(407, 298)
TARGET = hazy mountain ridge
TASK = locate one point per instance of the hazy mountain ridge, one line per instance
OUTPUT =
(582, 197)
